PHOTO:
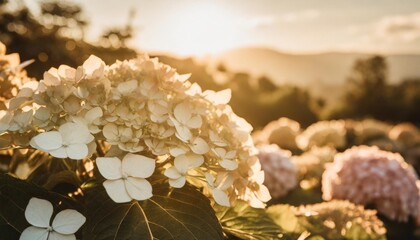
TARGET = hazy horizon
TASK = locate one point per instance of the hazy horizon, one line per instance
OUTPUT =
(199, 28)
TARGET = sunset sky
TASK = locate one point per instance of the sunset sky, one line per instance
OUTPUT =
(189, 27)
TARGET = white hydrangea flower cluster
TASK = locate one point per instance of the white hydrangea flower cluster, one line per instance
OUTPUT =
(366, 175)
(406, 134)
(370, 129)
(323, 133)
(144, 109)
(280, 172)
(282, 132)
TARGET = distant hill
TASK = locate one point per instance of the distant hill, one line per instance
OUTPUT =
(329, 69)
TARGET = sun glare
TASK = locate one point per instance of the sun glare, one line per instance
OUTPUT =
(202, 28)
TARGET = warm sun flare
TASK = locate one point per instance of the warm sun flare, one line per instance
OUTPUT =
(204, 27)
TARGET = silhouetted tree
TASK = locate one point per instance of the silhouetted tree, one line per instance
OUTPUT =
(265, 84)
(367, 93)
(48, 40)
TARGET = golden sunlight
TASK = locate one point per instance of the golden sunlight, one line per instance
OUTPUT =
(205, 28)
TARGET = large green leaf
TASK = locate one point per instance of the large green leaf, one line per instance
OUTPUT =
(249, 223)
(170, 214)
(14, 197)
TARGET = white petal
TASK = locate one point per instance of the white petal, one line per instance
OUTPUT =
(172, 173)
(59, 152)
(51, 78)
(127, 87)
(17, 102)
(68, 221)
(221, 197)
(188, 161)
(138, 188)
(216, 139)
(209, 179)
(117, 191)
(230, 154)
(176, 151)
(195, 122)
(65, 71)
(177, 183)
(75, 133)
(93, 66)
(135, 165)
(220, 152)
(77, 151)
(222, 97)
(182, 112)
(110, 131)
(93, 114)
(34, 233)
(109, 167)
(47, 141)
(199, 146)
(229, 164)
(58, 236)
(263, 194)
(184, 77)
(183, 133)
(38, 212)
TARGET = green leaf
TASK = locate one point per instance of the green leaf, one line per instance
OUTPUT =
(284, 216)
(66, 176)
(14, 197)
(329, 220)
(249, 223)
(170, 214)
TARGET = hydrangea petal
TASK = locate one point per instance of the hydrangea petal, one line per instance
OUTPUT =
(188, 161)
(195, 122)
(116, 190)
(177, 183)
(47, 141)
(172, 173)
(93, 66)
(176, 151)
(138, 188)
(109, 167)
(93, 114)
(183, 133)
(50, 78)
(59, 152)
(58, 236)
(110, 131)
(77, 151)
(182, 113)
(229, 164)
(138, 166)
(221, 197)
(34, 233)
(38, 212)
(75, 133)
(263, 194)
(199, 146)
(68, 221)
(127, 87)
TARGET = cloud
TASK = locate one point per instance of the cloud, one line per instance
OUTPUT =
(261, 21)
(389, 34)
(304, 15)
(291, 17)
(400, 28)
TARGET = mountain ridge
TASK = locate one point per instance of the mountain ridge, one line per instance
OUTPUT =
(330, 68)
